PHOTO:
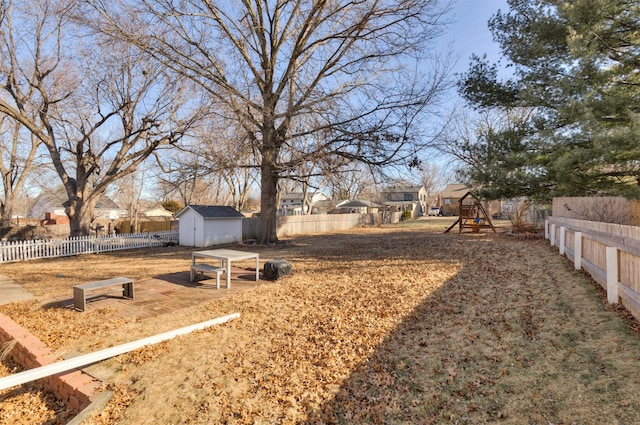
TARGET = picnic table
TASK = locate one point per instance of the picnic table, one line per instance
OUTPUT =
(226, 256)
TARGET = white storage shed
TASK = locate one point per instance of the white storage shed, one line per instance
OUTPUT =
(207, 225)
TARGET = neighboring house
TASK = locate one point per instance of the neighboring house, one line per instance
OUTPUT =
(407, 198)
(207, 225)
(361, 207)
(292, 203)
(451, 198)
(52, 203)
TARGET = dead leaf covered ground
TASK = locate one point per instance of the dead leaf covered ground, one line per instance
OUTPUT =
(395, 325)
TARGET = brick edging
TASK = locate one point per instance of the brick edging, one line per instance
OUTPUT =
(74, 387)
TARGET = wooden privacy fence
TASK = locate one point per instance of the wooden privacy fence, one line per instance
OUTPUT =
(610, 253)
(37, 249)
(318, 223)
(605, 209)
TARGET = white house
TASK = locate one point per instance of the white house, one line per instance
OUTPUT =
(206, 225)
(52, 202)
(292, 203)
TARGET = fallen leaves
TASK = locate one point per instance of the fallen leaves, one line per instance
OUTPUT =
(375, 326)
(30, 403)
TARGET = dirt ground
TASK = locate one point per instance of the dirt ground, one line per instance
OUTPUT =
(395, 325)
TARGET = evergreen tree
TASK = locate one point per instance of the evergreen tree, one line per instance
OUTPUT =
(576, 69)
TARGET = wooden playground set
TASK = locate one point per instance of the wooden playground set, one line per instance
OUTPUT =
(472, 215)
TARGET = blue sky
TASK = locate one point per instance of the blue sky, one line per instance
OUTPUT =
(469, 33)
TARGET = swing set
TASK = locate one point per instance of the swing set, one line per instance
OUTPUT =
(472, 216)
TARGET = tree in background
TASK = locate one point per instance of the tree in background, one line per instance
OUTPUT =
(18, 159)
(573, 93)
(172, 205)
(98, 107)
(216, 165)
(495, 156)
(352, 181)
(184, 175)
(19, 155)
(347, 67)
(434, 179)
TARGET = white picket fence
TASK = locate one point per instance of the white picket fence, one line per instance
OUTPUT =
(37, 249)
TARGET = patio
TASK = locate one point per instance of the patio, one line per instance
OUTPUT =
(166, 293)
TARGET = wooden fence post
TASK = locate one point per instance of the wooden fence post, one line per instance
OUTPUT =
(563, 235)
(612, 274)
(546, 229)
(577, 250)
(552, 237)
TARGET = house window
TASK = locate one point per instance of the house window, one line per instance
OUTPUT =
(408, 196)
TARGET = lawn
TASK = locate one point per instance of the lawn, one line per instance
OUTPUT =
(394, 324)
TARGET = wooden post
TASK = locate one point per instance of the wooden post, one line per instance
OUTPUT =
(577, 250)
(552, 238)
(546, 229)
(563, 235)
(612, 274)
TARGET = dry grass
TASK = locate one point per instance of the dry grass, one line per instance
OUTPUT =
(381, 325)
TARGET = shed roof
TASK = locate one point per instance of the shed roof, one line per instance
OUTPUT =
(212, 211)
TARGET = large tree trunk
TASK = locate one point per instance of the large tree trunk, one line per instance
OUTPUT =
(6, 211)
(8, 203)
(268, 203)
(80, 215)
(271, 142)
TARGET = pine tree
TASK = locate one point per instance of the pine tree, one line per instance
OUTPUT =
(576, 68)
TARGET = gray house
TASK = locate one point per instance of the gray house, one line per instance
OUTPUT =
(207, 225)
(406, 198)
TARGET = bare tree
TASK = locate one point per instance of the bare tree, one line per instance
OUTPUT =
(100, 108)
(351, 182)
(350, 65)
(434, 180)
(216, 165)
(18, 153)
(127, 192)
(18, 148)
(226, 150)
(184, 176)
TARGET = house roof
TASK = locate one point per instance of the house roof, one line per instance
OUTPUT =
(158, 212)
(455, 191)
(403, 189)
(53, 199)
(359, 204)
(353, 204)
(291, 195)
(299, 196)
(212, 211)
(106, 203)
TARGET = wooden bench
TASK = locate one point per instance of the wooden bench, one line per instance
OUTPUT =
(202, 269)
(80, 291)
